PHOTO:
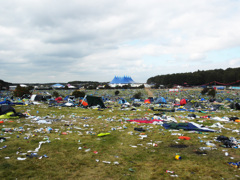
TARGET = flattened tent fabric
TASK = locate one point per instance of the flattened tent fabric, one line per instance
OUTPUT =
(59, 99)
(163, 110)
(36, 97)
(161, 100)
(6, 108)
(66, 98)
(94, 101)
(235, 106)
(6, 102)
(187, 126)
(193, 105)
(122, 101)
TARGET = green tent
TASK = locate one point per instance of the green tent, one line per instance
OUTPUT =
(94, 101)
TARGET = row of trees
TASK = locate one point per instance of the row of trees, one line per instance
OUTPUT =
(198, 77)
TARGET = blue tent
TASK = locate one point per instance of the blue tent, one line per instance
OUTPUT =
(6, 102)
(122, 80)
(58, 86)
(66, 98)
(160, 100)
(228, 99)
(122, 101)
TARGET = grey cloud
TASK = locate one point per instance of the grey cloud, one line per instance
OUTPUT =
(92, 39)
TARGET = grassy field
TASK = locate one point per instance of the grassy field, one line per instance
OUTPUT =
(74, 151)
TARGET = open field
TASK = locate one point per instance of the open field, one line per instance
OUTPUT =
(73, 150)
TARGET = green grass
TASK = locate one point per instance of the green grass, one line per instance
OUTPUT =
(65, 161)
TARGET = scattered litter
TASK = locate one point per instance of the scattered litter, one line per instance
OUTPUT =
(106, 162)
(167, 171)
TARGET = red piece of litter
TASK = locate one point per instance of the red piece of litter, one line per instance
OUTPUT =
(184, 137)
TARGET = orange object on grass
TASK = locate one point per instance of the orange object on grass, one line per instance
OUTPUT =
(84, 103)
(184, 137)
(147, 101)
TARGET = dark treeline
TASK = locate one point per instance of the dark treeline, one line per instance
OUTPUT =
(198, 77)
(4, 84)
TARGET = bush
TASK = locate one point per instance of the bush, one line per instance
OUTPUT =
(107, 87)
(55, 94)
(212, 92)
(137, 95)
(209, 91)
(204, 91)
(78, 94)
(20, 91)
(117, 93)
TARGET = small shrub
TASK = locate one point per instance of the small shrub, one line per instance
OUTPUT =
(78, 94)
(55, 94)
(117, 93)
(20, 91)
(212, 92)
(137, 95)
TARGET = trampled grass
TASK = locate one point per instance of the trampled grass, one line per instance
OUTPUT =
(120, 155)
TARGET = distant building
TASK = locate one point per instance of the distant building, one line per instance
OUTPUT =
(12, 88)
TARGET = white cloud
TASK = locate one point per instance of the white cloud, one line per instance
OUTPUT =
(235, 62)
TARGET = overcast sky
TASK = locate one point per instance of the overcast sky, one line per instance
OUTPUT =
(66, 40)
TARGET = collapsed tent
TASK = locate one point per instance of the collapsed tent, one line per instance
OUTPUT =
(59, 99)
(162, 110)
(6, 102)
(36, 97)
(69, 98)
(122, 101)
(187, 126)
(6, 108)
(190, 105)
(160, 100)
(235, 106)
(7, 111)
(94, 101)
